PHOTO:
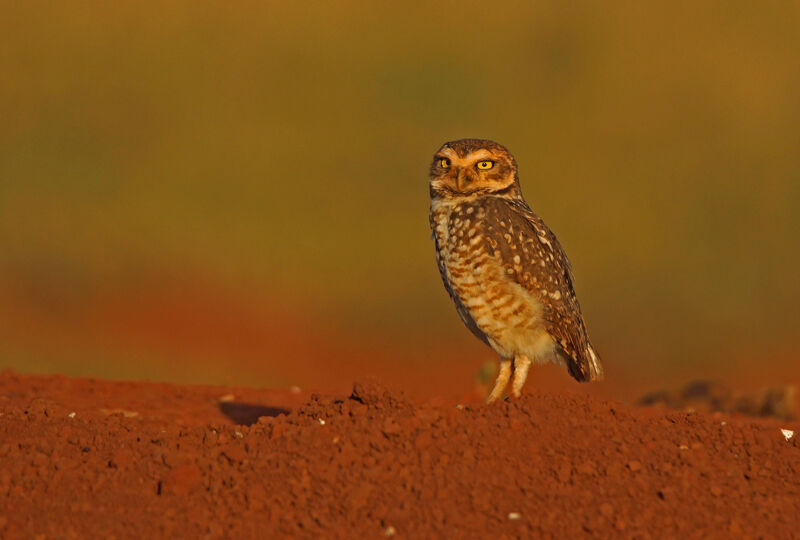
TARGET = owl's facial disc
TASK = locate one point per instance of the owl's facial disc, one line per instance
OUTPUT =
(478, 171)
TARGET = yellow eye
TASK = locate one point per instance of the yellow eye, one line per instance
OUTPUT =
(484, 165)
(444, 163)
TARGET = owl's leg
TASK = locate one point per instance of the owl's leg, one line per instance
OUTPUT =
(502, 381)
(521, 366)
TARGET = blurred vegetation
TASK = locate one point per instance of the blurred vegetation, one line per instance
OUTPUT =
(284, 146)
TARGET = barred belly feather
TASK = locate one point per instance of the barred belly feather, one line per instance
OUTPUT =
(491, 304)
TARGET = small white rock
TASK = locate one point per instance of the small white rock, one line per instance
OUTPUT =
(389, 531)
(238, 434)
(71, 415)
(321, 421)
(514, 516)
(787, 433)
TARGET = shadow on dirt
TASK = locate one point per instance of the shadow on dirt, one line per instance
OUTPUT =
(248, 413)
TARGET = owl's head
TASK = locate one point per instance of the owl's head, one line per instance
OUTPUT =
(473, 167)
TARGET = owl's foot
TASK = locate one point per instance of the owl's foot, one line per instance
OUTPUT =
(521, 366)
(502, 381)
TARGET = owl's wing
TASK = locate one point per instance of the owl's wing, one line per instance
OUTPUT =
(533, 257)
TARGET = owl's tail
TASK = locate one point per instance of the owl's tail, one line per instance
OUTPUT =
(587, 367)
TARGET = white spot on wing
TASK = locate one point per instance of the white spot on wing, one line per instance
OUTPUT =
(545, 241)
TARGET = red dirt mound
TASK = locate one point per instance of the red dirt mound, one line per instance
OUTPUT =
(142, 460)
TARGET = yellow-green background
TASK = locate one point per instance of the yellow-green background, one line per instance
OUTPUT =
(285, 146)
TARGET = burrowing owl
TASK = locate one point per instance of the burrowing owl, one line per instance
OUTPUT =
(505, 270)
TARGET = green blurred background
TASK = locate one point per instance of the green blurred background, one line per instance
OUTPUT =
(215, 192)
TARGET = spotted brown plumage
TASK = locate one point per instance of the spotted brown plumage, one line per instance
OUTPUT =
(504, 269)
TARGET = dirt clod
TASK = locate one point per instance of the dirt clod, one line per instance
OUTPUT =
(182, 480)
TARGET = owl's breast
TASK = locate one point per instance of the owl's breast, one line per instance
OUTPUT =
(488, 298)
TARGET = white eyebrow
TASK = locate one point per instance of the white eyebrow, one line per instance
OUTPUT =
(479, 155)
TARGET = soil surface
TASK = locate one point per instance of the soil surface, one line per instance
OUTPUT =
(82, 458)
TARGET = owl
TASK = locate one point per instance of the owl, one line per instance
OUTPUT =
(505, 271)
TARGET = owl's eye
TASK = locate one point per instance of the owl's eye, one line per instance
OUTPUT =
(485, 165)
(444, 163)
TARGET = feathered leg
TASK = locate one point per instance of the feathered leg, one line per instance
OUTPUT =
(521, 366)
(502, 381)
